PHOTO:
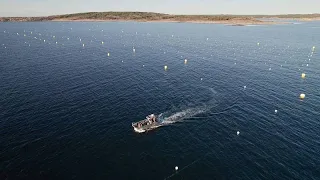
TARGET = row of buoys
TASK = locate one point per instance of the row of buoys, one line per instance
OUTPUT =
(303, 75)
(185, 62)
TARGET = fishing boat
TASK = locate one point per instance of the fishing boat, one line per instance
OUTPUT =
(151, 122)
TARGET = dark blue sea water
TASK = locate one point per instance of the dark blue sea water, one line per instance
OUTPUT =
(66, 108)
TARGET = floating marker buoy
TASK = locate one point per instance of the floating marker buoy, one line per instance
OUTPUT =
(258, 44)
(303, 75)
(165, 68)
(313, 48)
(68, 38)
(185, 61)
(102, 42)
(80, 39)
(54, 36)
(207, 39)
(269, 69)
(108, 54)
(56, 42)
(82, 45)
(244, 87)
(143, 65)
(238, 132)
(302, 96)
(201, 79)
(176, 168)
(275, 111)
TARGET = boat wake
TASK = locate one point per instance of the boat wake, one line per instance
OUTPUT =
(180, 116)
(169, 118)
(177, 115)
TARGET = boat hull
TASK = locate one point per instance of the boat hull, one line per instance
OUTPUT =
(146, 126)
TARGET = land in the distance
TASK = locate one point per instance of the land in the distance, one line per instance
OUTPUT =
(159, 17)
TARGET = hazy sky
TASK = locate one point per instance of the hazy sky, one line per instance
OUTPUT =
(52, 7)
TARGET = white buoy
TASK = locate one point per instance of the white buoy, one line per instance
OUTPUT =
(207, 39)
(238, 132)
(54, 36)
(302, 96)
(244, 87)
(185, 61)
(68, 38)
(258, 43)
(82, 45)
(165, 68)
(269, 69)
(44, 40)
(80, 39)
(303, 75)
(143, 65)
(201, 79)
(134, 50)
(102, 42)
(108, 54)
(275, 111)
(56, 42)
(176, 168)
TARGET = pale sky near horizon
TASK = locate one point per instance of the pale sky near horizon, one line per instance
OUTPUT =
(54, 7)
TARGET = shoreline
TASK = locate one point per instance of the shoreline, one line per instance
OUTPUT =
(227, 19)
(226, 22)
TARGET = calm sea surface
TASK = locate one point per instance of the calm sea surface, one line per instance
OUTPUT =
(66, 106)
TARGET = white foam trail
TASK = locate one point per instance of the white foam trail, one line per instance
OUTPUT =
(179, 116)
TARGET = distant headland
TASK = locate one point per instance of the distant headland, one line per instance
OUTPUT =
(238, 20)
